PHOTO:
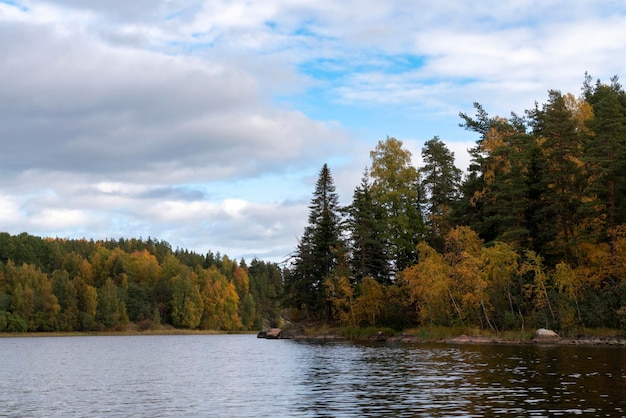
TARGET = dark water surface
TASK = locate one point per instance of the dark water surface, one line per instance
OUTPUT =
(240, 376)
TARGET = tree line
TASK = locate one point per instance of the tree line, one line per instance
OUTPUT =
(79, 285)
(534, 234)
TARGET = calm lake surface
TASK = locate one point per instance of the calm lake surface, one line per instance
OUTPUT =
(240, 375)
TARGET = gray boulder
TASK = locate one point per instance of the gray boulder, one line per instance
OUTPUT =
(543, 334)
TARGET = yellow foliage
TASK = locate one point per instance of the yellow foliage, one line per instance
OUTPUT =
(340, 293)
(429, 284)
(462, 241)
(537, 291)
(220, 301)
(581, 111)
(143, 267)
(369, 305)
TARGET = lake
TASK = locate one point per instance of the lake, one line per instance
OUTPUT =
(242, 376)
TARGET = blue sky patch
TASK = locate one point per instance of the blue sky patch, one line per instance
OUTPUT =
(15, 4)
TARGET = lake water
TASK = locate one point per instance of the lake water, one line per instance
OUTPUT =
(240, 376)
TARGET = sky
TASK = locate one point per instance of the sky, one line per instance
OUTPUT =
(205, 123)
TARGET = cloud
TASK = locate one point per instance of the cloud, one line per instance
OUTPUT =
(58, 218)
(206, 123)
(89, 107)
(9, 210)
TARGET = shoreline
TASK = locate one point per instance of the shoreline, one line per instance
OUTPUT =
(595, 337)
(337, 335)
(120, 333)
(583, 341)
(470, 340)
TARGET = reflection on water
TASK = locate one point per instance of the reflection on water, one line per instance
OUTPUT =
(239, 375)
(465, 380)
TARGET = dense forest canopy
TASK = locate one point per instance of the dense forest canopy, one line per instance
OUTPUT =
(80, 285)
(533, 235)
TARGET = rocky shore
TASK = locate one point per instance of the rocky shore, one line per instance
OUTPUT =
(541, 336)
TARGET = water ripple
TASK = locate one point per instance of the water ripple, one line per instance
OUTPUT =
(241, 376)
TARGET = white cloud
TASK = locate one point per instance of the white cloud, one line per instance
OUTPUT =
(193, 121)
(9, 210)
(58, 219)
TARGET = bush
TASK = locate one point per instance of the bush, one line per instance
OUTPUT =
(16, 323)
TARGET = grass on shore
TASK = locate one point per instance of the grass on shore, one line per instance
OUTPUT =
(425, 333)
(440, 333)
(131, 329)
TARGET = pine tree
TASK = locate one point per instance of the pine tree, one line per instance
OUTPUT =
(606, 151)
(507, 149)
(562, 140)
(441, 180)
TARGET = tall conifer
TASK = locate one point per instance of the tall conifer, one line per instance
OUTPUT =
(316, 255)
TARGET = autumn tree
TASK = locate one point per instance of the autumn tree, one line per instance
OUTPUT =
(431, 287)
(537, 288)
(462, 253)
(340, 293)
(369, 305)
(500, 269)
(246, 306)
(220, 301)
(396, 190)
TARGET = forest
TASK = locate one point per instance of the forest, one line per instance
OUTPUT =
(532, 235)
(79, 285)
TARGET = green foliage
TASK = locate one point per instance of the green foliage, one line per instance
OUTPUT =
(533, 235)
(367, 242)
(397, 191)
(187, 303)
(78, 285)
(111, 311)
(361, 333)
(441, 181)
(266, 288)
(317, 253)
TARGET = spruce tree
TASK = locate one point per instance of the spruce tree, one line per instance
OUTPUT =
(366, 233)
(316, 255)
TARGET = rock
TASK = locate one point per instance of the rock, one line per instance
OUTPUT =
(543, 334)
(273, 333)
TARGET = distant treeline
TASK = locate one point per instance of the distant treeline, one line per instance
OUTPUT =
(533, 235)
(80, 285)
